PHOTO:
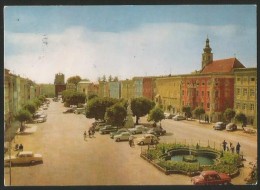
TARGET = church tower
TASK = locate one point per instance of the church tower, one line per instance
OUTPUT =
(207, 56)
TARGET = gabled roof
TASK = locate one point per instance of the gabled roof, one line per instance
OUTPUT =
(222, 66)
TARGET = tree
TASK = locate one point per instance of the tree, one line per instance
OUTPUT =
(30, 106)
(198, 112)
(104, 79)
(76, 98)
(241, 118)
(74, 79)
(96, 107)
(116, 114)
(187, 111)
(229, 114)
(23, 115)
(141, 106)
(116, 79)
(169, 107)
(156, 115)
(37, 102)
(110, 78)
(92, 96)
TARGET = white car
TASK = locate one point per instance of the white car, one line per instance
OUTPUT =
(23, 157)
(138, 129)
(179, 117)
(147, 139)
(41, 119)
(124, 136)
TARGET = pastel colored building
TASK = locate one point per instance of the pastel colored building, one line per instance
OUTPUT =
(138, 87)
(127, 89)
(114, 89)
(149, 87)
(245, 99)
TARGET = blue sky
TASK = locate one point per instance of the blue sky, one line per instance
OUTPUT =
(124, 41)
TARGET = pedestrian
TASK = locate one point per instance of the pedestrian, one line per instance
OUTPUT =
(131, 141)
(20, 147)
(232, 148)
(238, 148)
(89, 133)
(230, 144)
(85, 135)
(224, 144)
(93, 131)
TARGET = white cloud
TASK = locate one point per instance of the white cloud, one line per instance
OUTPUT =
(153, 49)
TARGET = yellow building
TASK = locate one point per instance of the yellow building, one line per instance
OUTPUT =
(168, 93)
(127, 89)
(245, 99)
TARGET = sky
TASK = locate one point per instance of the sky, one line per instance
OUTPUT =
(124, 40)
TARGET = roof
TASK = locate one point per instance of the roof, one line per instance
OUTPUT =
(222, 66)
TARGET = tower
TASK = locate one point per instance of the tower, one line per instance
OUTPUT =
(59, 84)
(207, 56)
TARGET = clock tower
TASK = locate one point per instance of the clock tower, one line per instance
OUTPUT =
(207, 56)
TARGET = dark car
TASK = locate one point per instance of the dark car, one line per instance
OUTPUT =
(157, 131)
(211, 177)
(107, 129)
(219, 126)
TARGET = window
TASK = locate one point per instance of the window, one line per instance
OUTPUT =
(244, 92)
(252, 79)
(202, 93)
(238, 91)
(208, 93)
(252, 107)
(252, 92)
(208, 105)
(238, 105)
(244, 106)
(197, 93)
(183, 92)
(238, 79)
(201, 104)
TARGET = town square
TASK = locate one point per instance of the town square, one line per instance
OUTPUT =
(133, 95)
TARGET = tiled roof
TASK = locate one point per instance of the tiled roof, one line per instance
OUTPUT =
(222, 66)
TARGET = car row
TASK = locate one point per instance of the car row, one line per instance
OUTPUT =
(174, 117)
(222, 126)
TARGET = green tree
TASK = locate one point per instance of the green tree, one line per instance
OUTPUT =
(198, 112)
(141, 106)
(116, 114)
(30, 106)
(241, 118)
(104, 79)
(229, 114)
(74, 79)
(42, 98)
(76, 98)
(116, 79)
(37, 102)
(96, 107)
(110, 78)
(92, 96)
(187, 111)
(156, 115)
(22, 116)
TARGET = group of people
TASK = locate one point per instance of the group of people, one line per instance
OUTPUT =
(231, 147)
(19, 147)
(91, 132)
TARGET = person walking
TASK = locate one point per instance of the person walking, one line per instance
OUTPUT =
(93, 131)
(131, 141)
(20, 147)
(89, 133)
(232, 148)
(224, 144)
(238, 148)
(85, 135)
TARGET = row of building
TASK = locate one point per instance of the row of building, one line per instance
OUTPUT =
(220, 84)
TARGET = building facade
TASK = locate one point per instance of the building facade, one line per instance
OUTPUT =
(114, 89)
(59, 83)
(127, 89)
(245, 99)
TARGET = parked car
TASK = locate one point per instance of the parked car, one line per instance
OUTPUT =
(112, 134)
(179, 117)
(99, 125)
(219, 126)
(107, 129)
(231, 127)
(23, 157)
(168, 115)
(138, 129)
(79, 111)
(147, 139)
(124, 136)
(44, 107)
(211, 178)
(69, 110)
(157, 131)
(41, 119)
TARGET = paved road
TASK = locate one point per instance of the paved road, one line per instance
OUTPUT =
(69, 160)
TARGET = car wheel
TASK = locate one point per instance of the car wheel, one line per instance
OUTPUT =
(117, 140)
(142, 143)
(133, 132)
